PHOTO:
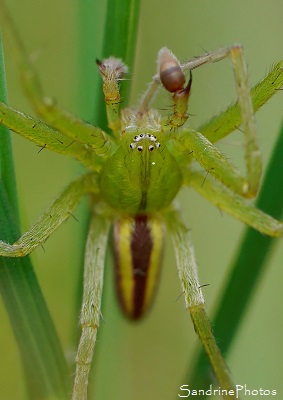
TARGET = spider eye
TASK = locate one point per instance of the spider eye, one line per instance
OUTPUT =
(140, 148)
(151, 147)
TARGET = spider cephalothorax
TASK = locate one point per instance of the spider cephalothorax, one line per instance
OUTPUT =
(141, 176)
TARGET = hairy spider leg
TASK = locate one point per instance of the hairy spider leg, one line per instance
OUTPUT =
(97, 140)
(90, 314)
(233, 204)
(52, 218)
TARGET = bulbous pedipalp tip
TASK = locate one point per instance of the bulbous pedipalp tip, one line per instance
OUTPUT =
(170, 71)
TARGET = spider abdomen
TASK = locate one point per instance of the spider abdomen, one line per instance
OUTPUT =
(141, 177)
(138, 243)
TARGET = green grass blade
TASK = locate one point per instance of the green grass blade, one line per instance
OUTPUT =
(6, 160)
(120, 35)
(90, 27)
(42, 357)
(119, 40)
(253, 252)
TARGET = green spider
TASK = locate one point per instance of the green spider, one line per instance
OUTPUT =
(134, 175)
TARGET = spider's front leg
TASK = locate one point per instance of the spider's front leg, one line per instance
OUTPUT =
(71, 127)
(53, 217)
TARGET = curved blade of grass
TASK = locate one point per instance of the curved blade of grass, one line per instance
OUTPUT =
(42, 357)
(253, 251)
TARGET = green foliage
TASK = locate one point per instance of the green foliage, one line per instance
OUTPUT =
(43, 361)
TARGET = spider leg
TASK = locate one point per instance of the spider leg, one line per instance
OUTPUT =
(46, 136)
(187, 269)
(45, 107)
(210, 158)
(252, 153)
(90, 314)
(249, 185)
(242, 112)
(235, 205)
(229, 120)
(52, 218)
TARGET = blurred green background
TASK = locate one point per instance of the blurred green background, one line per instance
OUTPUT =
(149, 359)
